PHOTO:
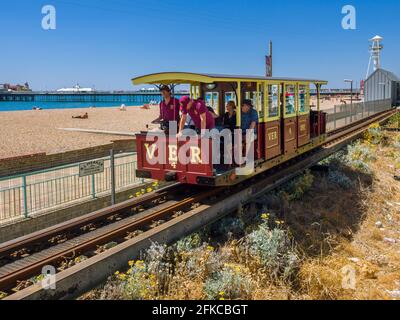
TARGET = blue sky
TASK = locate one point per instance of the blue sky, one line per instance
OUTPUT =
(105, 43)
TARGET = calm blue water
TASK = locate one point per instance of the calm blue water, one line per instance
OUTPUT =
(22, 105)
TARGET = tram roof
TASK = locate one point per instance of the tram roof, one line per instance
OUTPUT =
(189, 78)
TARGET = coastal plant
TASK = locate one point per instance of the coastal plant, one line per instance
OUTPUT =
(374, 134)
(297, 188)
(159, 262)
(274, 250)
(360, 152)
(340, 179)
(137, 283)
(396, 143)
(201, 262)
(358, 156)
(335, 160)
(395, 120)
(230, 283)
(189, 243)
(230, 226)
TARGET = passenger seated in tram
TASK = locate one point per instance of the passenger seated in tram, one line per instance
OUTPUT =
(249, 121)
(169, 109)
(249, 118)
(197, 110)
(229, 119)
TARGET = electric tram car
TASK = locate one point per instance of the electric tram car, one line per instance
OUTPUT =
(288, 125)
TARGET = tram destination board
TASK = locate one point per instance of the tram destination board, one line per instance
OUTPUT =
(91, 167)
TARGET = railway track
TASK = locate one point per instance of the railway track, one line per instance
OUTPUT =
(96, 235)
(24, 257)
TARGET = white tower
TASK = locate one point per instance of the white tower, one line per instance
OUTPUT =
(375, 50)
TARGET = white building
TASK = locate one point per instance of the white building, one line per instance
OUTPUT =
(382, 85)
(76, 89)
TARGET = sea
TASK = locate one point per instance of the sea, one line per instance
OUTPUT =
(29, 105)
(47, 102)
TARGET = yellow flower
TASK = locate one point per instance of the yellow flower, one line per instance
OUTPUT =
(221, 299)
(116, 273)
(122, 276)
(131, 263)
(221, 293)
(265, 216)
(210, 248)
(155, 184)
(149, 190)
(138, 194)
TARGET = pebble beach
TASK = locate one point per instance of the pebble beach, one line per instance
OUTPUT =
(30, 132)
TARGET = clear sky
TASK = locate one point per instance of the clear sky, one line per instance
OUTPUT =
(105, 43)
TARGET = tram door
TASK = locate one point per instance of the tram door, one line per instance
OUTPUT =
(289, 117)
(273, 134)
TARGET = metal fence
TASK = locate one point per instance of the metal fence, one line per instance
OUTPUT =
(342, 115)
(34, 193)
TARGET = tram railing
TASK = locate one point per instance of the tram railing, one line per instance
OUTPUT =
(345, 114)
(26, 195)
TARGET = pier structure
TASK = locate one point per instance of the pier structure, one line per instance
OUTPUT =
(125, 97)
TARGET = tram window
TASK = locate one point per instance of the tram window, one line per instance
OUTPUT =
(230, 96)
(212, 100)
(273, 101)
(252, 95)
(290, 100)
(303, 99)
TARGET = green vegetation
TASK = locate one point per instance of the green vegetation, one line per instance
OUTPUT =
(296, 189)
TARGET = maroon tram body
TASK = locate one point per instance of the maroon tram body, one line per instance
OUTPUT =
(287, 127)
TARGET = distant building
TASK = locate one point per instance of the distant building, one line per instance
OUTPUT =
(382, 85)
(76, 89)
(6, 87)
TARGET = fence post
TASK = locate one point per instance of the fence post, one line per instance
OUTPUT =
(351, 112)
(362, 110)
(93, 186)
(25, 195)
(334, 119)
(112, 168)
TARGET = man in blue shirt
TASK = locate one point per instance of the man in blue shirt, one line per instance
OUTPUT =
(249, 118)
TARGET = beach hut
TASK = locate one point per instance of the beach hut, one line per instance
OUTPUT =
(382, 85)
